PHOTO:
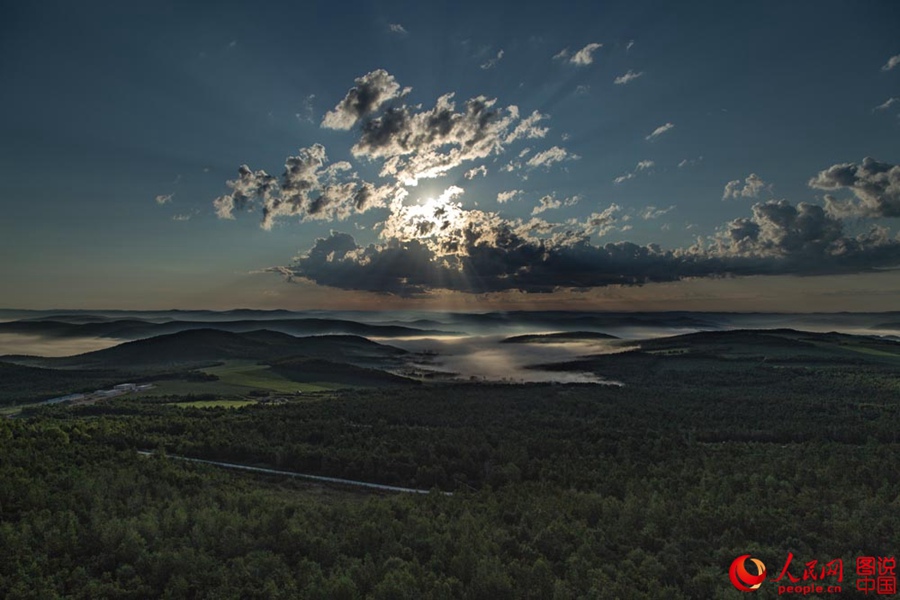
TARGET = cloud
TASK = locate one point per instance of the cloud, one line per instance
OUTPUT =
(629, 45)
(307, 189)
(491, 254)
(585, 56)
(582, 58)
(182, 217)
(627, 77)
(690, 162)
(397, 28)
(601, 223)
(306, 110)
(492, 62)
(886, 104)
(164, 198)
(891, 63)
(752, 187)
(651, 212)
(550, 157)
(875, 186)
(546, 203)
(659, 131)
(419, 144)
(643, 165)
(370, 93)
(473, 173)
(504, 197)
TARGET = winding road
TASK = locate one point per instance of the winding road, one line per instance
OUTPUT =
(320, 478)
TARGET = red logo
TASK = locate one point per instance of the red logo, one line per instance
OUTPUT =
(741, 578)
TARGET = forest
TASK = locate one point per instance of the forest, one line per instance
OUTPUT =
(645, 490)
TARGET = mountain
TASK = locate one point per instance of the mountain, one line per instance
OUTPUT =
(134, 329)
(558, 338)
(317, 370)
(730, 355)
(203, 346)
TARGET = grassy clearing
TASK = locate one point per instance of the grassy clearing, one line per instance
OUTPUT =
(236, 378)
(254, 376)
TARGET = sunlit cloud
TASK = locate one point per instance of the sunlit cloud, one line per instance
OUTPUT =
(508, 195)
(427, 242)
(551, 156)
(875, 186)
(627, 77)
(369, 94)
(751, 187)
(659, 131)
(582, 57)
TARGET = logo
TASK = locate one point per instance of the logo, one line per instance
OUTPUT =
(741, 578)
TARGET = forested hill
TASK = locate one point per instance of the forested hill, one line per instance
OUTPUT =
(133, 329)
(209, 345)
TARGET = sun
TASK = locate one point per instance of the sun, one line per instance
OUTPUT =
(435, 221)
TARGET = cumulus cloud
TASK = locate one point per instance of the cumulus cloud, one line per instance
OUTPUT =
(690, 162)
(504, 197)
(475, 172)
(585, 56)
(429, 243)
(627, 77)
(164, 198)
(307, 188)
(659, 131)
(397, 28)
(419, 144)
(582, 58)
(752, 186)
(492, 62)
(546, 203)
(891, 63)
(550, 157)
(492, 254)
(370, 93)
(875, 186)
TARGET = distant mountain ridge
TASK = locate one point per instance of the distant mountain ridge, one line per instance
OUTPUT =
(134, 329)
(559, 337)
(199, 346)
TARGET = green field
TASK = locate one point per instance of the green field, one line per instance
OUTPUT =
(236, 378)
(252, 375)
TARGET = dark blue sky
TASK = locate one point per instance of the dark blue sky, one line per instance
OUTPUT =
(121, 123)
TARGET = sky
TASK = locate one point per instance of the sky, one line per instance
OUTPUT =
(451, 156)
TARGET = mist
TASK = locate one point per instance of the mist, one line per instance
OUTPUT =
(485, 358)
(35, 345)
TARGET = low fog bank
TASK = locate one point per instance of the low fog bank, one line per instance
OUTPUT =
(485, 358)
(35, 345)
